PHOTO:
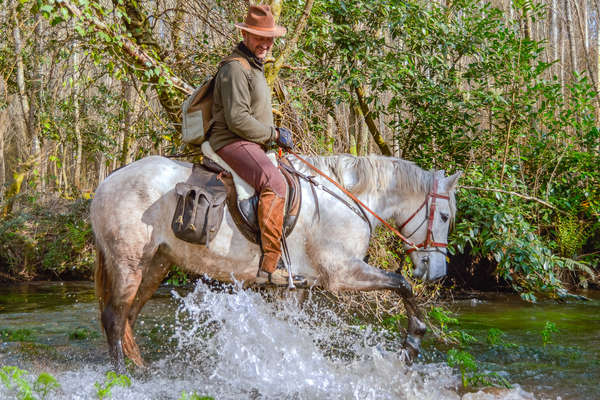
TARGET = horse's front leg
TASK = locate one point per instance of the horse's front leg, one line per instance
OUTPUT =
(416, 327)
(358, 275)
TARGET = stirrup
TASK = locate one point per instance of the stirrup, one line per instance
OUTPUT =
(278, 278)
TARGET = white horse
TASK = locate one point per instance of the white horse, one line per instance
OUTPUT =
(131, 217)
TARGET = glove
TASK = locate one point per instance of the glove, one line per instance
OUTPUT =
(285, 139)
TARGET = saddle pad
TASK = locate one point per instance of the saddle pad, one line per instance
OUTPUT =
(244, 189)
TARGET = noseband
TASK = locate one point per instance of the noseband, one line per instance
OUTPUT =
(429, 244)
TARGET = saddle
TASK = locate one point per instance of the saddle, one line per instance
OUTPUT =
(202, 198)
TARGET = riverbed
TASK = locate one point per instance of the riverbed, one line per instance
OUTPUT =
(235, 344)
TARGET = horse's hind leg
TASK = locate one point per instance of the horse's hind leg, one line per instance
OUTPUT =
(153, 276)
(358, 275)
(117, 282)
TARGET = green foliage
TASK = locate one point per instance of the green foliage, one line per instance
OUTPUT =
(497, 226)
(112, 380)
(495, 338)
(391, 323)
(469, 87)
(15, 335)
(13, 378)
(82, 333)
(571, 236)
(469, 370)
(177, 277)
(549, 330)
(442, 317)
(464, 362)
(459, 357)
(45, 383)
(48, 240)
(194, 396)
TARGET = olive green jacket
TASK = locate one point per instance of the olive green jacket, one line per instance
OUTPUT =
(241, 103)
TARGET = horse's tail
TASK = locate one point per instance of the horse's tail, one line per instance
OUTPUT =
(102, 278)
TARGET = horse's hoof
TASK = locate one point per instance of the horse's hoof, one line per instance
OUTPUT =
(412, 345)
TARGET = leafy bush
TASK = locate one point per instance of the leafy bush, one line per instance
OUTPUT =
(112, 379)
(497, 226)
(50, 239)
(13, 378)
(549, 329)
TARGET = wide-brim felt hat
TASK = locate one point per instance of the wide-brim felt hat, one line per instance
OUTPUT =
(259, 21)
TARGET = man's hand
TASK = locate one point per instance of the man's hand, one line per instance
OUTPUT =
(284, 140)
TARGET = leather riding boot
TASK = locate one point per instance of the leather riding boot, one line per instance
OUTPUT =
(271, 209)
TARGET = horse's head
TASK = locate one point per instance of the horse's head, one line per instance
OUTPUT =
(426, 225)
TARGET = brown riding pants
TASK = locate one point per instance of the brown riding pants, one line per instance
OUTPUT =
(252, 164)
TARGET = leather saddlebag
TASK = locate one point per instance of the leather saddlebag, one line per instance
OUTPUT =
(198, 214)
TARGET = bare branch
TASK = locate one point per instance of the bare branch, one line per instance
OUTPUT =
(511, 193)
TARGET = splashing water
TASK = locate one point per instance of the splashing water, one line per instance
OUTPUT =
(237, 344)
(246, 345)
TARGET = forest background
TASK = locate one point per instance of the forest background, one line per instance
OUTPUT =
(506, 91)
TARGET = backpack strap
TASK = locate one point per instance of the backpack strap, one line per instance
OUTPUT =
(241, 60)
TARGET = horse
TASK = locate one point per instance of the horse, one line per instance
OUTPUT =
(131, 216)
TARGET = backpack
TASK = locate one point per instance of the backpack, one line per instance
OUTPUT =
(196, 110)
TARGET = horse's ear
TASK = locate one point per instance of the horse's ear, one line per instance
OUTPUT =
(450, 182)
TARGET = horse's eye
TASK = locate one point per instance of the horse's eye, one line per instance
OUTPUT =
(444, 217)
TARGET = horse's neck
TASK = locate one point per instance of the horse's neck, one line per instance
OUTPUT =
(388, 202)
(382, 193)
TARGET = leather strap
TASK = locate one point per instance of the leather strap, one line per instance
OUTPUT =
(313, 183)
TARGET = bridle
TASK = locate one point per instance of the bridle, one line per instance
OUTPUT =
(429, 244)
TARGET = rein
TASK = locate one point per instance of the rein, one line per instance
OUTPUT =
(433, 195)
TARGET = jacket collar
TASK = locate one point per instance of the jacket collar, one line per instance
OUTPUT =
(252, 59)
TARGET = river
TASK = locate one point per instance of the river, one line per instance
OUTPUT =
(235, 344)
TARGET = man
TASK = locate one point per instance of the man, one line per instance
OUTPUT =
(243, 128)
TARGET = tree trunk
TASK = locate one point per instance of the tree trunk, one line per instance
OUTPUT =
(77, 122)
(272, 70)
(362, 141)
(598, 65)
(129, 106)
(562, 61)
(554, 33)
(276, 6)
(4, 123)
(138, 26)
(330, 133)
(177, 28)
(353, 117)
(101, 167)
(20, 75)
(570, 36)
(583, 30)
(383, 147)
(63, 169)
(35, 104)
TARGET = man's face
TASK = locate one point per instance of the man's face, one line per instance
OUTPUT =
(259, 45)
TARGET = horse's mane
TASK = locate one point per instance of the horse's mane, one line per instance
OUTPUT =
(375, 173)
